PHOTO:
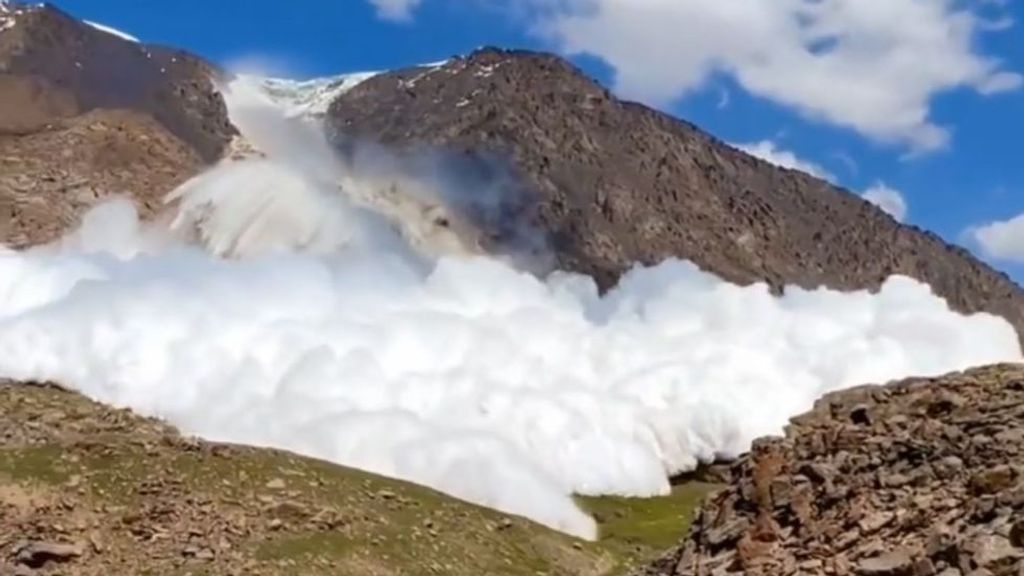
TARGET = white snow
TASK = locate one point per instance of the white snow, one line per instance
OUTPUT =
(426, 70)
(488, 70)
(311, 97)
(324, 333)
(7, 16)
(114, 31)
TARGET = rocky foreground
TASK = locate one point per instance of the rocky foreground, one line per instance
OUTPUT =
(90, 490)
(917, 478)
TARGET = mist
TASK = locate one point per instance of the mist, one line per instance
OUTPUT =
(291, 300)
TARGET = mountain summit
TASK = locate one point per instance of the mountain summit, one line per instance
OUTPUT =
(85, 113)
(618, 183)
(610, 183)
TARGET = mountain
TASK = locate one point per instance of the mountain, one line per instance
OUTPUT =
(609, 183)
(88, 112)
(85, 113)
(617, 183)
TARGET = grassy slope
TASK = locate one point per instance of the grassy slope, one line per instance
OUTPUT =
(135, 497)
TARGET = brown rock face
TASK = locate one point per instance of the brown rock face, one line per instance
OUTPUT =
(921, 477)
(85, 114)
(69, 68)
(618, 183)
(50, 177)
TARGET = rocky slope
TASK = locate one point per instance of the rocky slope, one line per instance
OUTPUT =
(921, 477)
(618, 183)
(90, 490)
(85, 113)
(854, 487)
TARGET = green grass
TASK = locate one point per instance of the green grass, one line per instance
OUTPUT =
(639, 529)
(40, 464)
(377, 526)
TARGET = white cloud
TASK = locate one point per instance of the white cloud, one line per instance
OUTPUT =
(870, 66)
(769, 151)
(724, 99)
(1003, 240)
(888, 199)
(1001, 82)
(397, 10)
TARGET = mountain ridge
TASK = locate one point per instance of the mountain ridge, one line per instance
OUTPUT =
(122, 117)
(617, 182)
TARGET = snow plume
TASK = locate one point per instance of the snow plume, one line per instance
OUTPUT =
(476, 195)
(326, 333)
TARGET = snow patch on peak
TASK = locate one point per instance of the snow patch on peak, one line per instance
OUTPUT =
(11, 10)
(300, 98)
(113, 31)
(312, 98)
(7, 20)
(10, 7)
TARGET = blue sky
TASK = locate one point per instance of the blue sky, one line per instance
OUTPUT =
(924, 98)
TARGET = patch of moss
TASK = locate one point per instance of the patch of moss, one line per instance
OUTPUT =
(35, 464)
(639, 529)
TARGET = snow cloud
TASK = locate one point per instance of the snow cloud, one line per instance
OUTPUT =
(888, 199)
(281, 309)
(873, 67)
(396, 10)
(769, 151)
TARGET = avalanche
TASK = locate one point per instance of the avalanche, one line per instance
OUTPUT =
(278, 311)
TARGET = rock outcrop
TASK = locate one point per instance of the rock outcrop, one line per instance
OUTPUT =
(85, 114)
(618, 183)
(54, 67)
(917, 478)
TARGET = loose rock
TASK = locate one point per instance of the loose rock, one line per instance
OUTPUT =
(925, 489)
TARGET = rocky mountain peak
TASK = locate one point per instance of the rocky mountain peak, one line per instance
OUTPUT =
(616, 183)
(53, 66)
(122, 117)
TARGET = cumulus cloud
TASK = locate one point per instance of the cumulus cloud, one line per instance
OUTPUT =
(769, 151)
(1002, 240)
(888, 199)
(397, 10)
(870, 66)
(293, 318)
